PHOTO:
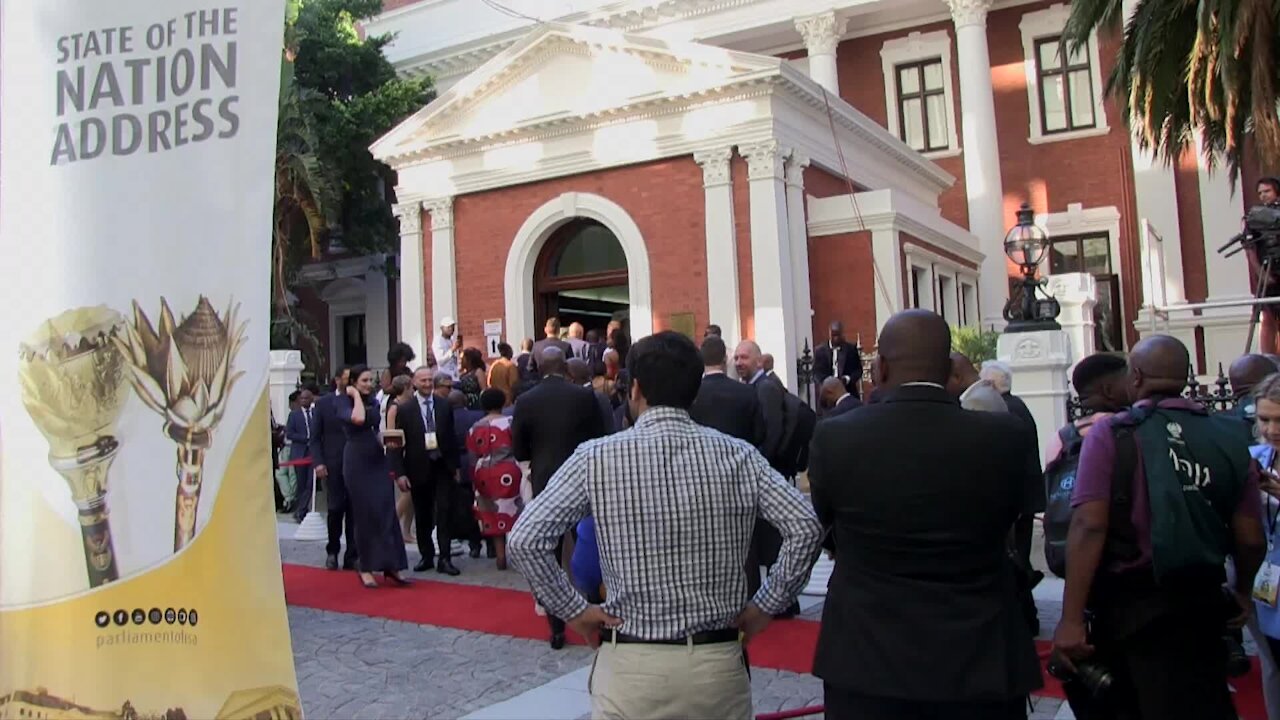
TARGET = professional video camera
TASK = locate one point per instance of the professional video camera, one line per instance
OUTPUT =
(1261, 233)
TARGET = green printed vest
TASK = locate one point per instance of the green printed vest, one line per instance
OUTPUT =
(1195, 467)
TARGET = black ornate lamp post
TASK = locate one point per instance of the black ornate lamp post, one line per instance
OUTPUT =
(804, 373)
(1026, 245)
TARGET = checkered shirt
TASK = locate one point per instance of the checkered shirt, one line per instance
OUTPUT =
(674, 504)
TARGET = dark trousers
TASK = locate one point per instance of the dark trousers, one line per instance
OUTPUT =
(339, 512)
(306, 485)
(844, 704)
(557, 624)
(1174, 668)
(431, 492)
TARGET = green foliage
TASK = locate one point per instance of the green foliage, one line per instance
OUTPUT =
(977, 344)
(1186, 66)
(337, 95)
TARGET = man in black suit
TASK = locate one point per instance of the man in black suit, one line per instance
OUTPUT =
(426, 467)
(328, 441)
(838, 358)
(748, 361)
(727, 405)
(552, 340)
(297, 429)
(836, 399)
(921, 495)
(551, 420)
(579, 372)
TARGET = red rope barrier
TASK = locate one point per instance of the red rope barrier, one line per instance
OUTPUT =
(300, 462)
(788, 714)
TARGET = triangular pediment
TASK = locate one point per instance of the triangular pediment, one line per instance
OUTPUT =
(562, 73)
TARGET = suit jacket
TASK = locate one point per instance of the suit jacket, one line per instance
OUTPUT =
(327, 437)
(607, 421)
(773, 398)
(731, 407)
(846, 404)
(921, 495)
(543, 344)
(414, 460)
(298, 434)
(551, 420)
(849, 361)
(463, 420)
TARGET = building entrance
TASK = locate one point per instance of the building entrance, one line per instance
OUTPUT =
(581, 277)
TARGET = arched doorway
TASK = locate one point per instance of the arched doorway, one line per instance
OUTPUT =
(581, 276)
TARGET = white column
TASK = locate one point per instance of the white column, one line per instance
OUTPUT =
(886, 251)
(444, 283)
(1220, 213)
(377, 321)
(1156, 198)
(722, 243)
(799, 237)
(412, 315)
(981, 153)
(821, 35)
(771, 258)
(283, 372)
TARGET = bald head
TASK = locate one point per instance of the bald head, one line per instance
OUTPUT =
(579, 370)
(832, 390)
(1249, 370)
(552, 362)
(914, 346)
(747, 359)
(1159, 365)
(766, 362)
(963, 374)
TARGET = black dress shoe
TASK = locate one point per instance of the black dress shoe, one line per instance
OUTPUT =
(445, 567)
(423, 565)
(331, 562)
(490, 552)
(557, 641)
(475, 550)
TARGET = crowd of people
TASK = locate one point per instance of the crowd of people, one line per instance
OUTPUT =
(671, 545)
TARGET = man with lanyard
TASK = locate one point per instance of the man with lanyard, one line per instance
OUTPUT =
(1245, 373)
(1163, 494)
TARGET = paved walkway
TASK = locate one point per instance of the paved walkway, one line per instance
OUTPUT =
(353, 667)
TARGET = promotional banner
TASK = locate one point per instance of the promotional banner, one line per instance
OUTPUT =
(139, 568)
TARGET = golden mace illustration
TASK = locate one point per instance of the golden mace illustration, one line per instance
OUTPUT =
(184, 372)
(73, 387)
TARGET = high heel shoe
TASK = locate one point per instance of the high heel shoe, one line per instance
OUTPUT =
(366, 579)
(395, 578)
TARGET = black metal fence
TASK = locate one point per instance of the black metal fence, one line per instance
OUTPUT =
(1215, 397)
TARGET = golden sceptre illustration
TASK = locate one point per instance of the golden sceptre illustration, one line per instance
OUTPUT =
(73, 387)
(184, 372)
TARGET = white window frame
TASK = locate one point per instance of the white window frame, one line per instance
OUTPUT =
(1077, 220)
(1049, 23)
(934, 265)
(914, 48)
(951, 299)
(968, 291)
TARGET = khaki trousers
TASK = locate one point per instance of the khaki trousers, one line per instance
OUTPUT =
(690, 682)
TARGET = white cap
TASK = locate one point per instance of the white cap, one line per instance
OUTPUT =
(447, 322)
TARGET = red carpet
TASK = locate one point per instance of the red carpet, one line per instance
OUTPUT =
(785, 645)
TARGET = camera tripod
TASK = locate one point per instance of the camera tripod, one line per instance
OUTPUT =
(1264, 282)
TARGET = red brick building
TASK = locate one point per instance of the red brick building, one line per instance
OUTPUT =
(674, 163)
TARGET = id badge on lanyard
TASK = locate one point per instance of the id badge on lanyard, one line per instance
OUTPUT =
(431, 442)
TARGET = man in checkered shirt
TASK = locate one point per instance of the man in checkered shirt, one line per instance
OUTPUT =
(674, 505)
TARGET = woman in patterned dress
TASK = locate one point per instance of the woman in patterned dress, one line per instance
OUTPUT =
(497, 475)
(472, 377)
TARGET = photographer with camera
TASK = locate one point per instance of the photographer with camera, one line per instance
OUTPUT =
(1163, 494)
(1259, 238)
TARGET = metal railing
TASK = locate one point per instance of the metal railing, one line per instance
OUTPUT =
(1215, 399)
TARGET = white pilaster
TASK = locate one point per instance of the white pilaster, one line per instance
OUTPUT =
(722, 243)
(821, 35)
(981, 153)
(1039, 360)
(283, 372)
(1156, 198)
(886, 250)
(771, 257)
(1078, 294)
(412, 315)
(1220, 213)
(444, 283)
(377, 320)
(799, 237)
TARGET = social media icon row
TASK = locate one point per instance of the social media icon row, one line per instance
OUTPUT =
(139, 616)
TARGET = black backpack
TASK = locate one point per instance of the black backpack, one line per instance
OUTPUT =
(1060, 478)
(799, 422)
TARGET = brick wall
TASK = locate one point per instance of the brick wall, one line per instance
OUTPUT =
(389, 5)
(665, 198)
(842, 285)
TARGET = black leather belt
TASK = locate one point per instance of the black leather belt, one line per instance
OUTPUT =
(708, 637)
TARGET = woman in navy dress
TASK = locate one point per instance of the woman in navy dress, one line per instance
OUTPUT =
(369, 485)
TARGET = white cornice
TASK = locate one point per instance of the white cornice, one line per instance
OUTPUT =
(880, 210)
